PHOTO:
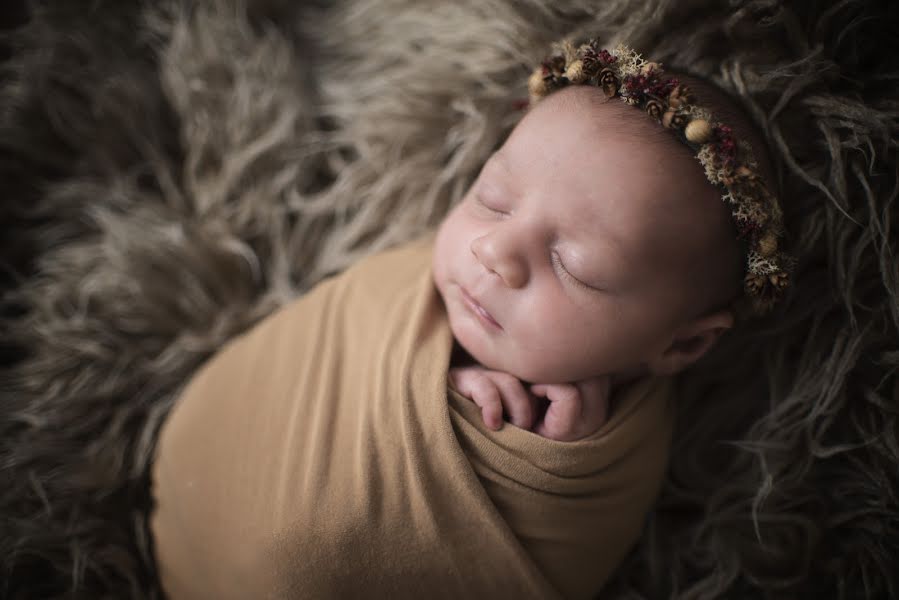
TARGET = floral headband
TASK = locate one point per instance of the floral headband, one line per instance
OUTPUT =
(728, 162)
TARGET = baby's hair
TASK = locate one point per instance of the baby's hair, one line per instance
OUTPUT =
(728, 161)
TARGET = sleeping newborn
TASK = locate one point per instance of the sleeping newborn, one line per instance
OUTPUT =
(351, 444)
(590, 251)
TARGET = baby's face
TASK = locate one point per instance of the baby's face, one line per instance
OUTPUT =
(565, 259)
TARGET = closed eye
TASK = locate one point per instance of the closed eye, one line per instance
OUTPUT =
(489, 206)
(566, 274)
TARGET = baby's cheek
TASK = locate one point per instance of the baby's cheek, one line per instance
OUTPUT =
(564, 353)
(552, 326)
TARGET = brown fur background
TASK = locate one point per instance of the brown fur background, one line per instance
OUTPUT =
(173, 171)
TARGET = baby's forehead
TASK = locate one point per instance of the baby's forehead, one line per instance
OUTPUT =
(580, 125)
(608, 152)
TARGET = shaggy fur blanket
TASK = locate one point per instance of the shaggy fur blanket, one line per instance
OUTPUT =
(173, 171)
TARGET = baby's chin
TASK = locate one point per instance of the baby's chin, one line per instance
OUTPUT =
(494, 358)
(482, 349)
(497, 359)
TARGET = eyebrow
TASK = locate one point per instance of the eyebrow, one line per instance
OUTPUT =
(502, 172)
(499, 158)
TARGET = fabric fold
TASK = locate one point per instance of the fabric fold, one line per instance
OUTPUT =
(576, 507)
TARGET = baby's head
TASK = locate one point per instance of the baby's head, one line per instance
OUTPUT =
(592, 243)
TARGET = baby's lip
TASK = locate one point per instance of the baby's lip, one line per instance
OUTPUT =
(478, 310)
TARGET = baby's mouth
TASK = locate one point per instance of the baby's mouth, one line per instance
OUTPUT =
(479, 311)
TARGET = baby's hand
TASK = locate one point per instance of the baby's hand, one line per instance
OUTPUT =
(574, 412)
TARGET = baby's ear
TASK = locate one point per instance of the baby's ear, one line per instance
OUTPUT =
(691, 341)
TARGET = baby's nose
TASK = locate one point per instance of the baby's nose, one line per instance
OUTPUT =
(501, 257)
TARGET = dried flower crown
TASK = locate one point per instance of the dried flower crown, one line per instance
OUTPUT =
(728, 162)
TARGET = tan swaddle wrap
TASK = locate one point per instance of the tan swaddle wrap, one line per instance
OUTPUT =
(321, 455)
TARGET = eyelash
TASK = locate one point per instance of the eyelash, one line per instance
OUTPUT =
(557, 261)
(488, 207)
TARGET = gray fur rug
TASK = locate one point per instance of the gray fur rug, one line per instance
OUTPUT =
(172, 172)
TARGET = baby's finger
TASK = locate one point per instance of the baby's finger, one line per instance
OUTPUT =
(474, 385)
(562, 415)
(518, 403)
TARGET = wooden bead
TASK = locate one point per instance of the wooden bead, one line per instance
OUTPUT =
(698, 131)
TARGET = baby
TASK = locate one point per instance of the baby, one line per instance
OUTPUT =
(591, 250)
(351, 444)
